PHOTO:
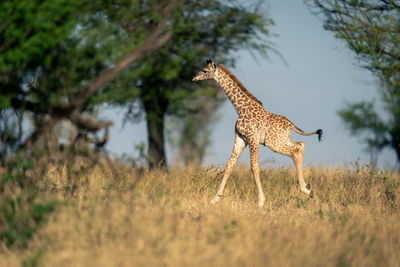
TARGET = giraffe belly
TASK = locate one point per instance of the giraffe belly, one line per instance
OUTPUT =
(261, 137)
(277, 140)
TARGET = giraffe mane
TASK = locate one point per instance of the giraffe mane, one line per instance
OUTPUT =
(239, 84)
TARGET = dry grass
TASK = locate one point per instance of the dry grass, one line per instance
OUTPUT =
(165, 219)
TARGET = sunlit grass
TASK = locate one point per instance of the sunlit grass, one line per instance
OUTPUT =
(132, 218)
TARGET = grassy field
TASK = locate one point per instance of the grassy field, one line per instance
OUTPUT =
(132, 218)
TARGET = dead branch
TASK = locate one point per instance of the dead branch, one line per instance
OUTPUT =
(99, 143)
(87, 123)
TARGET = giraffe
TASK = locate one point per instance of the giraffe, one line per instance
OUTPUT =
(255, 126)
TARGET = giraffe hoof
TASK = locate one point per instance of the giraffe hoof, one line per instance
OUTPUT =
(215, 200)
(308, 186)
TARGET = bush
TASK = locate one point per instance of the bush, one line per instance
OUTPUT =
(21, 209)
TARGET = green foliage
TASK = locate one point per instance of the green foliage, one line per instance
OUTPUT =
(51, 51)
(33, 259)
(52, 20)
(361, 117)
(29, 32)
(200, 29)
(21, 209)
(371, 30)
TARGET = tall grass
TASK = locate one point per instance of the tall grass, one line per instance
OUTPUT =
(132, 218)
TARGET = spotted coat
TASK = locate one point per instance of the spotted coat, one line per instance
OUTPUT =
(255, 125)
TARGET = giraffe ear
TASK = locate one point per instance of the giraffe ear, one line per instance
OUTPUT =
(214, 65)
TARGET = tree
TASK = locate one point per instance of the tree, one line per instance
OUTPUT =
(191, 134)
(55, 56)
(371, 29)
(160, 83)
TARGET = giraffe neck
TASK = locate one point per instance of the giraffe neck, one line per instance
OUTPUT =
(234, 90)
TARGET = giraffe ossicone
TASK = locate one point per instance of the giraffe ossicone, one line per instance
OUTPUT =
(255, 126)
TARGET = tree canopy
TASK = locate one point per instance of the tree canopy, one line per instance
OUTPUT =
(61, 60)
(160, 84)
(371, 29)
(52, 60)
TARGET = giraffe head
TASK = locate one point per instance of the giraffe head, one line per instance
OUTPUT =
(207, 73)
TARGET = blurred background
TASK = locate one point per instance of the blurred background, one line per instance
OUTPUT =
(115, 77)
(109, 152)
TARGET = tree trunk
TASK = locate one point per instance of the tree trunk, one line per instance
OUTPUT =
(156, 151)
(155, 113)
(396, 145)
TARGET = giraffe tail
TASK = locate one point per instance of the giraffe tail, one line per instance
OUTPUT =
(319, 132)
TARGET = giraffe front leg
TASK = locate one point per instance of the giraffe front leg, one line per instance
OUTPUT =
(237, 150)
(254, 148)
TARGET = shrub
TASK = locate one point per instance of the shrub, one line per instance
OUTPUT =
(21, 209)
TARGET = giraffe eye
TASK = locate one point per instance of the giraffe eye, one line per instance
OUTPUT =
(204, 71)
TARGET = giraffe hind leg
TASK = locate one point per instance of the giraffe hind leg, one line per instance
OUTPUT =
(295, 150)
(297, 156)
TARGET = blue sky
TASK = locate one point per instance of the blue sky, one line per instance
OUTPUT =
(321, 75)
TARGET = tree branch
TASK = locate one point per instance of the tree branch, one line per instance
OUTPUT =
(5, 24)
(153, 41)
(73, 111)
(99, 143)
(87, 123)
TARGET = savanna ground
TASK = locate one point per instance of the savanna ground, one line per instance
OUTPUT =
(124, 217)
